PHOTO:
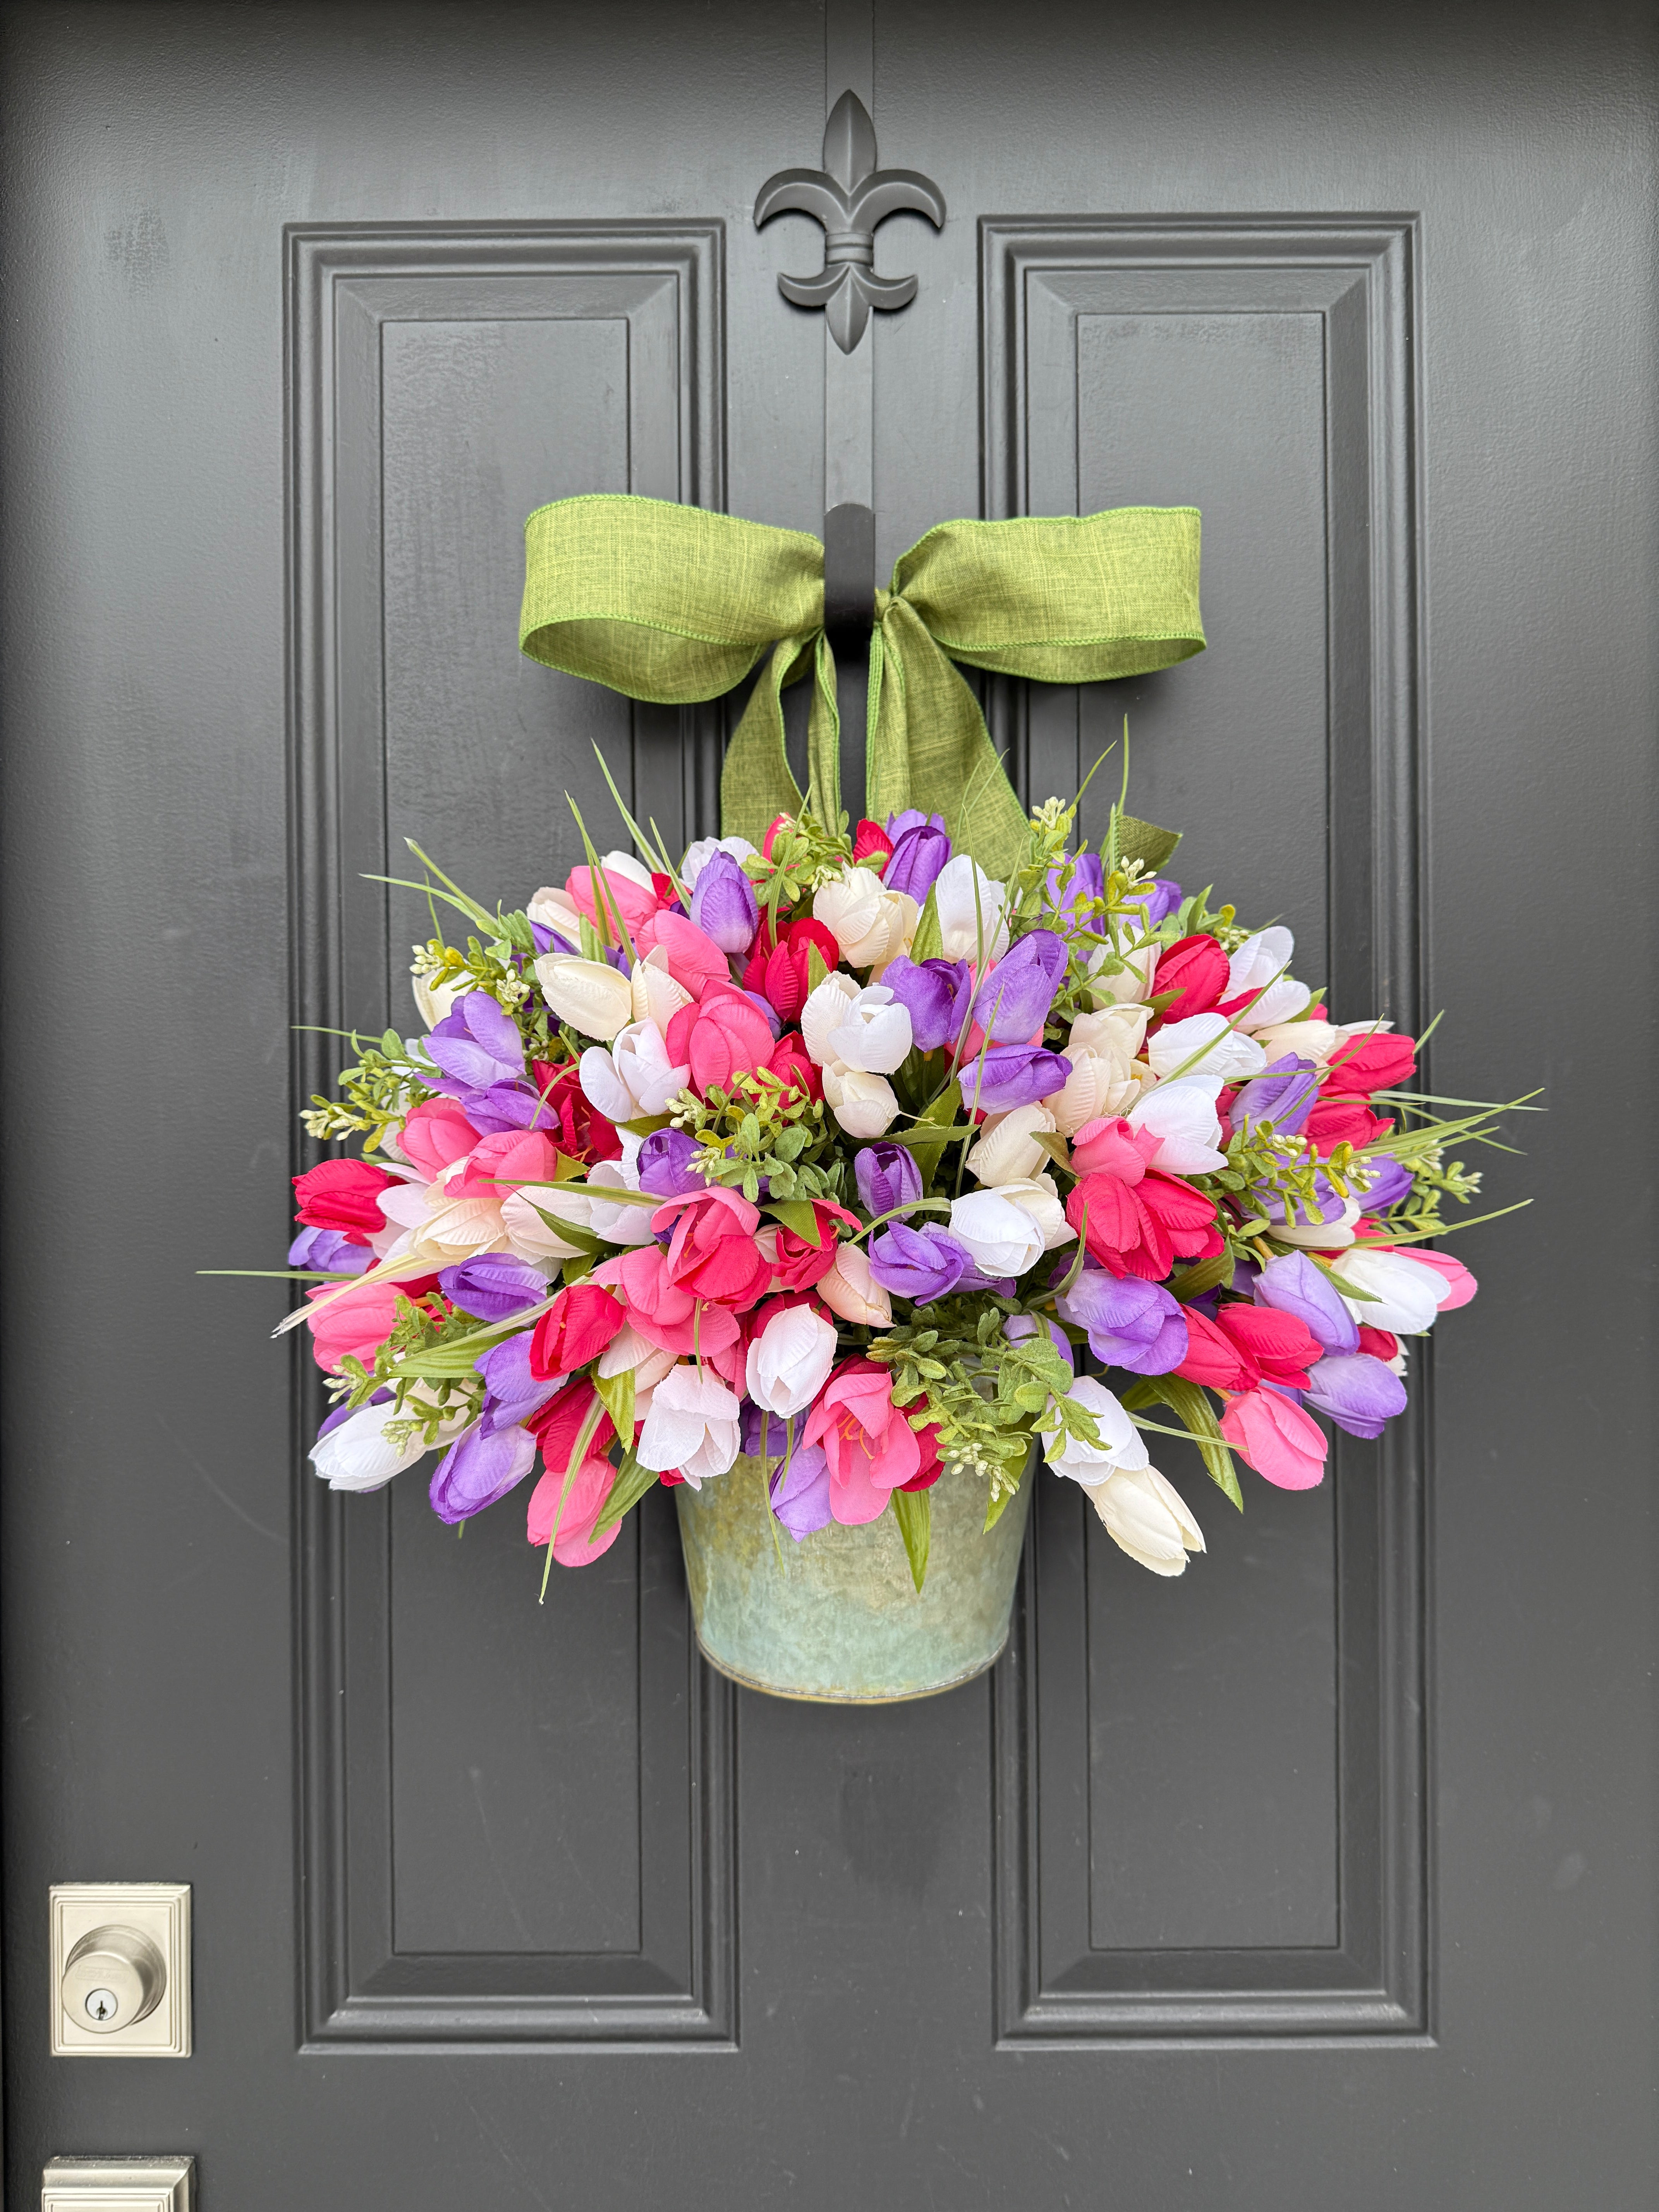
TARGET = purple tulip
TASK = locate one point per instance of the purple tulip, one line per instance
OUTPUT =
(329, 1252)
(1160, 898)
(723, 903)
(549, 940)
(918, 855)
(919, 1264)
(344, 1412)
(911, 818)
(1130, 1323)
(1012, 1002)
(1284, 1093)
(1074, 881)
(1019, 1328)
(513, 1393)
(493, 1285)
(1292, 1284)
(1358, 1392)
(800, 1491)
(504, 1106)
(1009, 1075)
(887, 1177)
(1387, 1182)
(478, 1469)
(1000, 1286)
(665, 1164)
(936, 993)
(476, 1045)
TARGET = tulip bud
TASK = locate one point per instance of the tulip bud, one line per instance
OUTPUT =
(1007, 1151)
(589, 994)
(1147, 1517)
(851, 1291)
(864, 1105)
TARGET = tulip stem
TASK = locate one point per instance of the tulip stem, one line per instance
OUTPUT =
(916, 1206)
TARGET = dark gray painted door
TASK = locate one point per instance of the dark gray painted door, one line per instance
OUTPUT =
(1323, 1878)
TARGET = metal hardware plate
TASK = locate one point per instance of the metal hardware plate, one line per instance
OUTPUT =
(118, 2184)
(158, 1914)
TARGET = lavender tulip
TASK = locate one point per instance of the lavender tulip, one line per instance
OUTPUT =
(1284, 1093)
(513, 1394)
(329, 1252)
(549, 940)
(1076, 881)
(1387, 1182)
(476, 1045)
(1000, 1286)
(1130, 1323)
(935, 991)
(911, 818)
(723, 904)
(800, 1491)
(888, 1177)
(1292, 1284)
(919, 1264)
(1160, 898)
(478, 1469)
(493, 1285)
(1009, 1075)
(918, 855)
(1358, 1392)
(665, 1164)
(1012, 1002)
(1019, 1328)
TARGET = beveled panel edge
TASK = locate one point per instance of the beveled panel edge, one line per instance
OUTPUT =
(329, 2016)
(1386, 1934)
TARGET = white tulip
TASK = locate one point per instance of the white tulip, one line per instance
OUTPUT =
(635, 1078)
(1320, 1236)
(851, 1291)
(436, 1002)
(824, 1011)
(657, 997)
(971, 930)
(1259, 960)
(1315, 1039)
(1147, 1517)
(789, 1361)
(865, 1105)
(1124, 985)
(1120, 1446)
(557, 910)
(871, 924)
(359, 1456)
(616, 1224)
(1115, 1033)
(589, 994)
(1217, 1054)
(1037, 1196)
(698, 856)
(691, 1426)
(1001, 1237)
(1402, 1296)
(1182, 1117)
(874, 1033)
(1007, 1150)
(629, 1352)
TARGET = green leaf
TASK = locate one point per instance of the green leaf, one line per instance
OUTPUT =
(1194, 1281)
(1145, 843)
(940, 1115)
(797, 1213)
(1187, 1402)
(632, 1483)
(912, 1510)
(928, 943)
(618, 1392)
(816, 967)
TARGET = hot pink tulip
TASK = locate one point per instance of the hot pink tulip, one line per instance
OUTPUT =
(503, 1160)
(870, 1447)
(1285, 1445)
(721, 1036)
(1460, 1285)
(713, 1253)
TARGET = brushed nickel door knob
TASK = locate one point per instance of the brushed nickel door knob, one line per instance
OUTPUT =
(113, 1978)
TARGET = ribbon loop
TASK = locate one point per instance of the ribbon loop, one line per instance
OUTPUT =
(675, 604)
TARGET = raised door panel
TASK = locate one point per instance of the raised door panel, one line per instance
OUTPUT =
(516, 1814)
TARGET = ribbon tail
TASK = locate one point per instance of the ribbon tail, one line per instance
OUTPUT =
(756, 782)
(824, 739)
(930, 748)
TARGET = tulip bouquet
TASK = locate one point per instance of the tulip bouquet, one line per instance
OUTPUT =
(840, 1157)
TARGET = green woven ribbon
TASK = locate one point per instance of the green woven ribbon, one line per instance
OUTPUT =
(674, 603)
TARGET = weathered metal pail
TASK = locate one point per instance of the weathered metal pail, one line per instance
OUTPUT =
(836, 1618)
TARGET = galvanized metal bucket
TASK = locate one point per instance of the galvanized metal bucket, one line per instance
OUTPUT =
(836, 1618)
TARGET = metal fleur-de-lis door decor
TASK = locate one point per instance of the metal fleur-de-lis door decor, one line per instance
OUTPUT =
(849, 196)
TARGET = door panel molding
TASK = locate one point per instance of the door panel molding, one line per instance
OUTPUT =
(1057, 1984)
(671, 1978)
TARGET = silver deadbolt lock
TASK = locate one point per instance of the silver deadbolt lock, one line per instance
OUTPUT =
(113, 1979)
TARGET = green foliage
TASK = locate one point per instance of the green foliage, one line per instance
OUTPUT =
(912, 1510)
(389, 1079)
(763, 1128)
(431, 1384)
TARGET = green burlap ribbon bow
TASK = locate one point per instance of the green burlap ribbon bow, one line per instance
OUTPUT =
(675, 604)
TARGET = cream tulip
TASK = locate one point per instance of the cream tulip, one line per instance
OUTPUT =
(1007, 1150)
(1147, 1517)
(557, 910)
(874, 1033)
(589, 994)
(865, 1105)
(436, 1002)
(870, 923)
(657, 997)
(851, 1291)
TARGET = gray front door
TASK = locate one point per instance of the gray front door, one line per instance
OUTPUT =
(1324, 1877)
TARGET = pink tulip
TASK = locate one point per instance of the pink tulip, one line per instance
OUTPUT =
(695, 961)
(1114, 1147)
(662, 1311)
(1460, 1287)
(870, 1447)
(358, 1321)
(636, 902)
(434, 1133)
(500, 1162)
(1285, 1445)
(574, 1546)
(721, 1036)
